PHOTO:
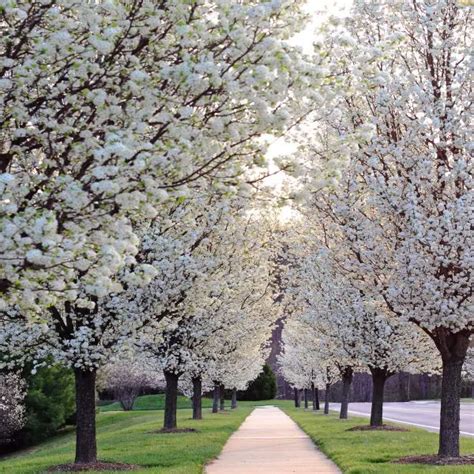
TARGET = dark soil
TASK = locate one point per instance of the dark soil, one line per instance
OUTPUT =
(436, 460)
(175, 430)
(377, 428)
(96, 466)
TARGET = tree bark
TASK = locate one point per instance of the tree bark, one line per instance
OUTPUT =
(171, 400)
(234, 398)
(215, 399)
(297, 397)
(222, 397)
(326, 399)
(86, 443)
(306, 398)
(347, 375)
(315, 398)
(379, 377)
(197, 398)
(453, 348)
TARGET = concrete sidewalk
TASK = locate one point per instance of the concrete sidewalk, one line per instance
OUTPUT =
(270, 442)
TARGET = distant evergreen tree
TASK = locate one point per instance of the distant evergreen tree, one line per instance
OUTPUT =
(262, 388)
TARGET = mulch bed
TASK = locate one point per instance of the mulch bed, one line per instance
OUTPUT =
(436, 460)
(96, 466)
(176, 430)
(377, 428)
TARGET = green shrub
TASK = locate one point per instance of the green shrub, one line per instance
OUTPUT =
(262, 388)
(49, 402)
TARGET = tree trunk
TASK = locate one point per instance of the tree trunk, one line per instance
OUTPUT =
(453, 348)
(197, 398)
(316, 399)
(127, 397)
(346, 387)
(215, 399)
(450, 408)
(306, 398)
(297, 397)
(86, 443)
(234, 398)
(171, 400)
(379, 377)
(326, 399)
(222, 397)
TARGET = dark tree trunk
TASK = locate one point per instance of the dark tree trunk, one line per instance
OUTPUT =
(125, 405)
(215, 399)
(315, 398)
(326, 399)
(453, 348)
(234, 398)
(306, 398)
(379, 377)
(297, 397)
(197, 398)
(171, 400)
(222, 397)
(127, 397)
(347, 375)
(86, 444)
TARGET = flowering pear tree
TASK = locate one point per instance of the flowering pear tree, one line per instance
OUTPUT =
(305, 362)
(112, 111)
(126, 377)
(244, 364)
(245, 317)
(242, 321)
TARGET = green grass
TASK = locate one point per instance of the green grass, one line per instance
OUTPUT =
(126, 437)
(364, 452)
(154, 402)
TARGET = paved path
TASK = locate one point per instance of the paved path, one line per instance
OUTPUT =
(422, 413)
(269, 442)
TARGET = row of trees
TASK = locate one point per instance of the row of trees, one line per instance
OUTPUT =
(380, 276)
(132, 139)
(216, 337)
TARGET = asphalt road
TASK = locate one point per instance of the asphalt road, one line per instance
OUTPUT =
(423, 414)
